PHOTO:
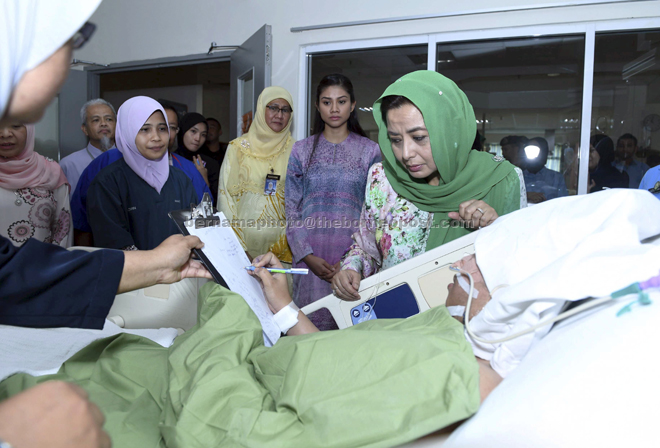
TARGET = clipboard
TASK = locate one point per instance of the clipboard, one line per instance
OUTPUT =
(184, 218)
(226, 251)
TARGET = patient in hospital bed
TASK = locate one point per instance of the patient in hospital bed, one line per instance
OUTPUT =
(394, 379)
(276, 293)
(536, 262)
(218, 385)
(460, 288)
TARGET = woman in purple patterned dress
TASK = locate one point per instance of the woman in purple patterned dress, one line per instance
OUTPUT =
(325, 186)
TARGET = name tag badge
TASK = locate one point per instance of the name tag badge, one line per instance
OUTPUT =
(270, 187)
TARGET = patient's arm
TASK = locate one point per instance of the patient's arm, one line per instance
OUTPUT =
(276, 291)
(458, 296)
(489, 379)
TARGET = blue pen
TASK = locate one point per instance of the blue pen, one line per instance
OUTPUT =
(301, 271)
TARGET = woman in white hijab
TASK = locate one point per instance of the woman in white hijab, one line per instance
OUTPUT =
(34, 57)
(34, 62)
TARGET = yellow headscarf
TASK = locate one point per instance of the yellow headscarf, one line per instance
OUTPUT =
(261, 150)
(249, 159)
(263, 141)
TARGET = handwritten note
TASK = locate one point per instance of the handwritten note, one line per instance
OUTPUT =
(224, 251)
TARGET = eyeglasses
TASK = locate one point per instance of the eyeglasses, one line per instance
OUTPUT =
(276, 110)
(174, 128)
(83, 35)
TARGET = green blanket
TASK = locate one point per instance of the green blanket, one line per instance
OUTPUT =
(377, 384)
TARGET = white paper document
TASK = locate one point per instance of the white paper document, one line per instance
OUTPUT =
(224, 251)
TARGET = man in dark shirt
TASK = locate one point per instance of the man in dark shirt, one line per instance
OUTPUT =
(213, 147)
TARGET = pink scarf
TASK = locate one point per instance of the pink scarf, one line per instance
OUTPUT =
(29, 169)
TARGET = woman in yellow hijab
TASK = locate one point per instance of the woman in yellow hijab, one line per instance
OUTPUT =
(251, 187)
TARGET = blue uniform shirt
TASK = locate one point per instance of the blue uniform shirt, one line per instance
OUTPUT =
(649, 180)
(546, 181)
(124, 210)
(44, 285)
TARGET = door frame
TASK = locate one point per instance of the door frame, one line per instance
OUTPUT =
(94, 73)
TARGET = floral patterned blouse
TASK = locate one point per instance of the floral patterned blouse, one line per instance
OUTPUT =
(36, 213)
(392, 228)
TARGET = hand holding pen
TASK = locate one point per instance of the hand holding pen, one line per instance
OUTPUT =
(276, 288)
(300, 271)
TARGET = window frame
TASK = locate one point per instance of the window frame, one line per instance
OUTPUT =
(588, 29)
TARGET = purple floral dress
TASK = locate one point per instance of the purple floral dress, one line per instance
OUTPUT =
(393, 227)
(394, 230)
(324, 196)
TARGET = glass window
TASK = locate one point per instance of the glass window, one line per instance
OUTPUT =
(370, 71)
(523, 88)
(626, 101)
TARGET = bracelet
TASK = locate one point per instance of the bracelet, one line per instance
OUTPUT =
(285, 319)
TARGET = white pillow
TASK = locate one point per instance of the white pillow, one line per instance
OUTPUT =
(561, 250)
(593, 381)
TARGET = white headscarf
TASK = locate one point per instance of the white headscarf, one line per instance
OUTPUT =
(31, 31)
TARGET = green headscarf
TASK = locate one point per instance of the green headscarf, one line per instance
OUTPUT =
(464, 174)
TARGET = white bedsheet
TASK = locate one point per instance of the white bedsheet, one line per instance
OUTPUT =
(591, 382)
(42, 351)
(562, 250)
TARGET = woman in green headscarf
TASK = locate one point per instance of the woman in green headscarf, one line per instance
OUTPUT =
(431, 188)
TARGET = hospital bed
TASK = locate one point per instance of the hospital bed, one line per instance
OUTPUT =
(409, 288)
(406, 289)
(158, 306)
(567, 391)
(592, 381)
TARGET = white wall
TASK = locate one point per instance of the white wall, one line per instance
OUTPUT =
(188, 95)
(130, 30)
(47, 131)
